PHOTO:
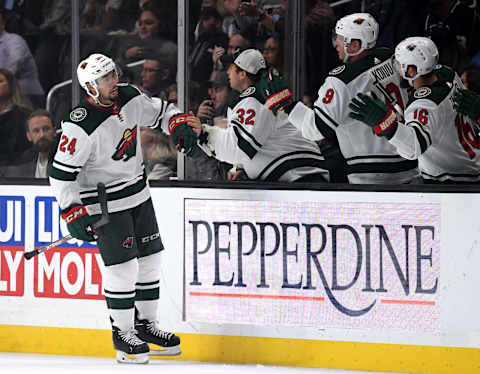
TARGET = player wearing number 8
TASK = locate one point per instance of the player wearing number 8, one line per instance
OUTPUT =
(443, 140)
(364, 68)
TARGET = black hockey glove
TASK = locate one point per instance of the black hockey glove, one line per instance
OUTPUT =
(79, 222)
(182, 134)
(467, 103)
(374, 113)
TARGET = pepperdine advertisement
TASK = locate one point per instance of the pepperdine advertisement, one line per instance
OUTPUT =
(327, 265)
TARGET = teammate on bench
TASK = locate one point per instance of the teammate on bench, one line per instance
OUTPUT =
(444, 141)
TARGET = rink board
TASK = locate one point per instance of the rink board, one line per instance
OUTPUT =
(381, 281)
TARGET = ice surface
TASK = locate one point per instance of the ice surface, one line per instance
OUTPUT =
(17, 363)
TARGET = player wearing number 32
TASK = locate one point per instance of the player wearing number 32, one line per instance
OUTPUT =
(266, 146)
(443, 140)
(364, 69)
(100, 143)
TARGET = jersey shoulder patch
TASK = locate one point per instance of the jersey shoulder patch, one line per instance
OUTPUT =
(86, 116)
(434, 93)
(337, 70)
(422, 92)
(348, 72)
(78, 114)
(250, 91)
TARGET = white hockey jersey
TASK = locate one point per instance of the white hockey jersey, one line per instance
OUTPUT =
(369, 158)
(267, 147)
(102, 144)
(444, 141)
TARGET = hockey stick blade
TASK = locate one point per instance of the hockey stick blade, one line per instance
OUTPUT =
(104, 219)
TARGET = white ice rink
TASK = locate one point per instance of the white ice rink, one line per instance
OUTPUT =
(16, 363)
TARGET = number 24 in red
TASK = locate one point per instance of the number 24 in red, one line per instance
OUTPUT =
(70, 147)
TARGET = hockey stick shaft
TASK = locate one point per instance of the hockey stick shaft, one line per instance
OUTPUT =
(104, 219)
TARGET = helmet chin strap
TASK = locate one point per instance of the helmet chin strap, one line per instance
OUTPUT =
(348, 55)
(94, 97)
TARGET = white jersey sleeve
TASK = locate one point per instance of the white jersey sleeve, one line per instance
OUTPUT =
(250, 124)
(156, 112)
(73, 152)
(414, 136)
(330, 110)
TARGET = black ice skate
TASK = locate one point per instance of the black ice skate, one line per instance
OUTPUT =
(149, 332)
(130, 349)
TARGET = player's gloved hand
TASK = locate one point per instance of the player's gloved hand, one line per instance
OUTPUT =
(278, 95)
(79, 222)
(467, 103)
(374, 113)
(182, 134)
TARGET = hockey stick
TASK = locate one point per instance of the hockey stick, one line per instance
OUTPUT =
(388, 96)
(104, 219)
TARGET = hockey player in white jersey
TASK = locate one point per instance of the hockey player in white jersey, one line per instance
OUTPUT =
(265, 146)
(443, 140)
(365, 68)
(100, 143)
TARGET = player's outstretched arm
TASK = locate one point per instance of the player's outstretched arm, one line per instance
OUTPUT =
(467, 103)
(374, 113)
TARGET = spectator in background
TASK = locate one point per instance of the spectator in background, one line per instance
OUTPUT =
(159, 154)
(394, 26)
(222, 61)
(471, 79)
(35, 161)
(320, 55)
(54, 42)
(214, 109)
(16, 57)
(14, 110)
(172, 94)
(157, 76)
(273, 54)
(210, 35)
(452, 25)
(148, 39)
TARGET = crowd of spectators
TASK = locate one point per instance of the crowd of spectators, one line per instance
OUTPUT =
(35, 55)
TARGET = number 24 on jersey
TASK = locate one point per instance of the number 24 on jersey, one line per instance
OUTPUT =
(66, 145)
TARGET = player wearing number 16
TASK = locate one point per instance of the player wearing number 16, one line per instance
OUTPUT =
(364, 69)
(100, 143)
(433, 131)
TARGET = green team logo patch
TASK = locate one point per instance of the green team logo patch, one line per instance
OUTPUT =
(337, 70)
(422, 92)
(249, 91)
(78, 114)
(127, 147)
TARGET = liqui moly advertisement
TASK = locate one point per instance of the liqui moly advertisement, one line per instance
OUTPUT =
(72, 270)
(327, 265)
(12, 242)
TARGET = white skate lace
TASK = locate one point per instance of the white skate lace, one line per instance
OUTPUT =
(129, 337)
(152, 327)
